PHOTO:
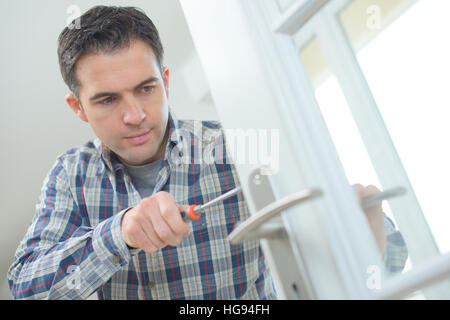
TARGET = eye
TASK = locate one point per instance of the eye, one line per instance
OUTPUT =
(107, 100)
(147, 89)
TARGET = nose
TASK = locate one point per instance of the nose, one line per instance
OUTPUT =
(133, 113)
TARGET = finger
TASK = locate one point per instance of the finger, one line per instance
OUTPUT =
(150, 232)
(359, 189)
(371, 189)
(170, 212)
(152, 212)
(376, 209)
(162, 229)
(144, 242)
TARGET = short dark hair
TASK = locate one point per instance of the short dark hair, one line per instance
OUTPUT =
(104, 29)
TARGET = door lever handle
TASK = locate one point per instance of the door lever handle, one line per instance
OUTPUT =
(269, 211)
(252, 229)
(374, 199)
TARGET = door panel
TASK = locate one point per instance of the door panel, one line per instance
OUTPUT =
(294, 68)
(406, 66)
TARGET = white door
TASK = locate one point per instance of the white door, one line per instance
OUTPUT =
(354, 91)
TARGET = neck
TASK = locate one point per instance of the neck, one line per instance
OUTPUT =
(162, 147)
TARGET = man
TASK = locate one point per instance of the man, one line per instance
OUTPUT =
(108, 221)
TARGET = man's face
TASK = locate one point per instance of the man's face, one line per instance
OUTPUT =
(124, 95)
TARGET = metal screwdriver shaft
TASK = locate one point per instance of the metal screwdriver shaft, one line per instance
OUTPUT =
(193, 212)
(224, 196)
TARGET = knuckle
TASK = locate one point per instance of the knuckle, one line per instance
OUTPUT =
(149, 248)
(156, 239)
(165, 235)
(151, 208)
(148, 202)
(160, 195)
(163, 212)
(144, 243)
(141, 216)
(158, 243)
(132, 229)
(167, 213)
(164, 194)
(165, 197)
(180, 228)
(144, 206)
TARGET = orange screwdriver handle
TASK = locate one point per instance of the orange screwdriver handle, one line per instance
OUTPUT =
(189, 214)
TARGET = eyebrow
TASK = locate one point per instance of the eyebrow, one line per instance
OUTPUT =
(107, 94)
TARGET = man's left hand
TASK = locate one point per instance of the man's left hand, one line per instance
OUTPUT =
(374, 214)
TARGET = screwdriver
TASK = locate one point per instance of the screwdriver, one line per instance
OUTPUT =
(193, 212)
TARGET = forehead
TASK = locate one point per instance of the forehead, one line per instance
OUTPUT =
(118, 70)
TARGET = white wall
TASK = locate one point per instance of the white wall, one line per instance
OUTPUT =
(36, 125)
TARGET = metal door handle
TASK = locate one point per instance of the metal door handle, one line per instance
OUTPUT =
(369, 201)
(269, 211)
(252, 228)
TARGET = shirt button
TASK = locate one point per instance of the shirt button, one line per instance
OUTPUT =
(151, 284)
(116, 259)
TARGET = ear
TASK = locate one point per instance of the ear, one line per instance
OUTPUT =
(166, 80)
(76, 107)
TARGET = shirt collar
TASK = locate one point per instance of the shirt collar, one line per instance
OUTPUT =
(112, 161)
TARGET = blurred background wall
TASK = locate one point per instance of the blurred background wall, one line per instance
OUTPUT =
(35, 122)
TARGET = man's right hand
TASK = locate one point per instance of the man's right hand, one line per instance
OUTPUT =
(154, 223)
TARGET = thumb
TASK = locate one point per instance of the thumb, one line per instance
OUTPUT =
(183, 206)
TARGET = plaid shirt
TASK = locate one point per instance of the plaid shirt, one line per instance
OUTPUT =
(73, 246)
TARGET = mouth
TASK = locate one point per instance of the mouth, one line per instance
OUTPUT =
(139, 138)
